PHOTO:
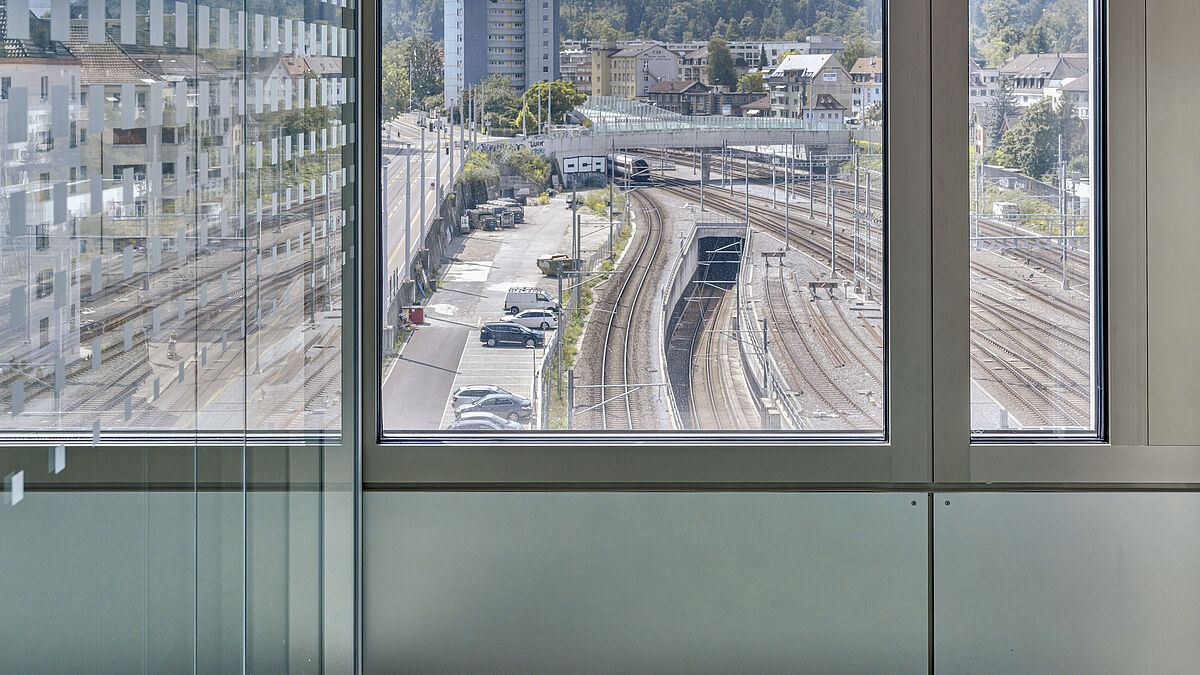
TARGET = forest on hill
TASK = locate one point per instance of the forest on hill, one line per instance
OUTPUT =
(672, 20)
(999, 28)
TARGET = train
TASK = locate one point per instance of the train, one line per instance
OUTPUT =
(628, 166)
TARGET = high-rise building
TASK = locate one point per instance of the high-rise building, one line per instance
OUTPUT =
(521, 39)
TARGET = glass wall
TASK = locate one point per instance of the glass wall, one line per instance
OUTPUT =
(174, 183)
(1033, 172)
(658, 233)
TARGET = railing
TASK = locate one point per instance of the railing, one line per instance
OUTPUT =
(613, 114)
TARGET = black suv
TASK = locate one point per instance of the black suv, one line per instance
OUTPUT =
(492, 334)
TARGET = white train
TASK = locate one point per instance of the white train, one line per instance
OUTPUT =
(634, 168)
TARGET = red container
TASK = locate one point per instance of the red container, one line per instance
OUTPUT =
(416, 314)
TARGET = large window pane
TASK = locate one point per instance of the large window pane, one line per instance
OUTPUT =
(1032, 173)
(171, 214)
(171, 179)
(677, 234)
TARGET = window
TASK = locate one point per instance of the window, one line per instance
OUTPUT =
(119, 214)
(1034, 324)
(628, 358)
(135, 136)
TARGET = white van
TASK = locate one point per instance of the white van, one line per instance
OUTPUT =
(521, 299)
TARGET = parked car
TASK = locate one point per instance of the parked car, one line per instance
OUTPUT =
(501, 332)
(521, 299)
(507, 406)
(534, 318)
(474, 392)
(484, 421)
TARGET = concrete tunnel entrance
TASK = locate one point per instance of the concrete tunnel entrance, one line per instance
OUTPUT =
(703, 295)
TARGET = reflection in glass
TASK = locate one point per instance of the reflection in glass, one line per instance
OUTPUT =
(171, 192)
(171, 216)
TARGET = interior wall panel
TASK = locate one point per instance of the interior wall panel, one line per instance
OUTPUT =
(1056, 583)
(1173, 238)
(645, 582)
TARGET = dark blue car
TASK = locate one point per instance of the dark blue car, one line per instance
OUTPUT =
(497, 333)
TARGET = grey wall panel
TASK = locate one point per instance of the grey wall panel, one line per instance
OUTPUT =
(645, 582)
(1173, 277)
(1054, 583)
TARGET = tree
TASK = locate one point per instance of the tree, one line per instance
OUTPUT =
(1031, 146)
(856, 49)
(500, 101)
(424, 65)
(751, 82)
(720, 64)
(762, 57)
(527, 163)
(564, 97)
(394, 87)
(1003, 106)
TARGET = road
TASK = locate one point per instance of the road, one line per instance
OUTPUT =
(402, 143)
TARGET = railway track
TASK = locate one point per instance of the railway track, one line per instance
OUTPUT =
(617, 412)
(809, 376)
(1046, 394)
(709, 389)
(1047, 260)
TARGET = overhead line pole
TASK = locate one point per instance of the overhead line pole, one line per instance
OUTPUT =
(787, 194)
(829, 214)
(421, 192)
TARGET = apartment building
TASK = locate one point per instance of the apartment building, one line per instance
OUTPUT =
(1032, 74)
(808, 85)
(867, 74)
(693, 65)
(521, 38)
(983, 82)
(575, 66)
(630, 72)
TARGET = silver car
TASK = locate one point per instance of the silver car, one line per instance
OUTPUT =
(535, 318)
(508, 406)
(472, 393)
(484, 421)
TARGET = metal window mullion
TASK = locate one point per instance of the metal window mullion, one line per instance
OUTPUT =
(910, 264)
(950, 197)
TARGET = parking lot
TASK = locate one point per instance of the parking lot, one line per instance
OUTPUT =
(445, 354)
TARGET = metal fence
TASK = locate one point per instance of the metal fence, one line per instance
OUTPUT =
(542, 381)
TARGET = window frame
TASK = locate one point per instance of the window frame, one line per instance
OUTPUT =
(1123, 456)
(928, 442)
(417, 460)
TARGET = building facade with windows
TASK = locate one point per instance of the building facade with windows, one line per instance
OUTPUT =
(630, 72)
(521, 38)
(800, 79)
(867, 74)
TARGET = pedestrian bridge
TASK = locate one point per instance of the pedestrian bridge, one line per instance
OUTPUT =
(623, 124)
